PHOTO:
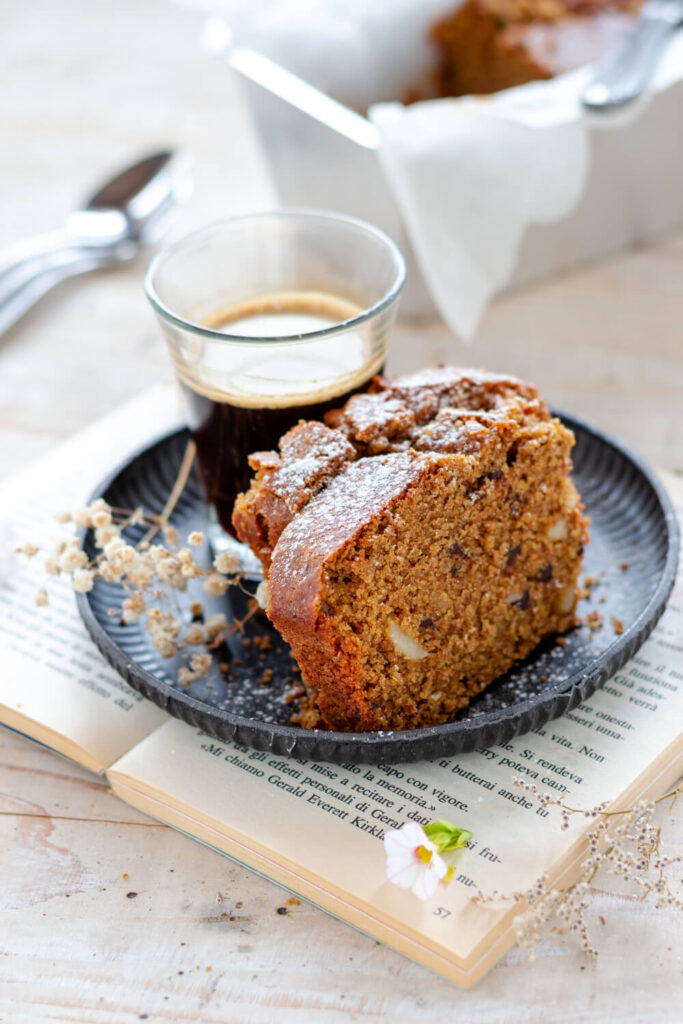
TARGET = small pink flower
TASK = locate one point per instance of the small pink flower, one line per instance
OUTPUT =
(413, 861)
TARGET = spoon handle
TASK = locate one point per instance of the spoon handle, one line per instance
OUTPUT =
(19, 263)
(21, 259)
(22, 285)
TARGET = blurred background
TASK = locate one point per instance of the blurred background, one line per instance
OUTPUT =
(88, 86)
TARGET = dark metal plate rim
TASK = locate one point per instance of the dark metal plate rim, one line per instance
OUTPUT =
(364, 746)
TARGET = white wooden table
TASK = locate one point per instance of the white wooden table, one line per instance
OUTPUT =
(104, 915)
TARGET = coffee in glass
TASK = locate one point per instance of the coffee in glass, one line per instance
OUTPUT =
(270, 319)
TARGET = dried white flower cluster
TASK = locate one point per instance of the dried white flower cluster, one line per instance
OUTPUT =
(624, 843)
(149, 574)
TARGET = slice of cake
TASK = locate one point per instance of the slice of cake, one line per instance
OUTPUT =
(416, 545)
(488, 45)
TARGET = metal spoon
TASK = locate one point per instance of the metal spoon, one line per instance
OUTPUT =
(624, 73)
(125, 213)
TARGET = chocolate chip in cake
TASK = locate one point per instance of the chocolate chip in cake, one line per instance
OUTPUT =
(458, 555)
(512, 556)
(515, 504)
(376, 544)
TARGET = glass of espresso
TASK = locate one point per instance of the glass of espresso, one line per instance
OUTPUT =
(270, 318)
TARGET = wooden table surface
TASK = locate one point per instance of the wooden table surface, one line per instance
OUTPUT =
(104, 915)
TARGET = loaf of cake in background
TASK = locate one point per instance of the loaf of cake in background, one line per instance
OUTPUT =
(416, 545)
(489, 45)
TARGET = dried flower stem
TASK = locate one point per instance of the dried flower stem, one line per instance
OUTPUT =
(237, 627)
(176, 491)
(630, 850)
(607, 814)
(151, 576)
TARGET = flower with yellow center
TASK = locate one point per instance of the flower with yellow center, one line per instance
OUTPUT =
(414, 858)
(413, 861)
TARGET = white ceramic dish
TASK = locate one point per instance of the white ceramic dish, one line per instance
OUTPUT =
(633, 192)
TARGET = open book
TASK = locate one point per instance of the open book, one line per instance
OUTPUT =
(317, 828)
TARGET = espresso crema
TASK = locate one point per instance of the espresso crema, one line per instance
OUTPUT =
(244, 395)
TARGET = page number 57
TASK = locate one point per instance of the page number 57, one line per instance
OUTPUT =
(442, 912)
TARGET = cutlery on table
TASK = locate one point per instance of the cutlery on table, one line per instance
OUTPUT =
(624, 73)
(125, 213)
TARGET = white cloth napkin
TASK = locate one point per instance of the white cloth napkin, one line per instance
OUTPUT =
(471, 175)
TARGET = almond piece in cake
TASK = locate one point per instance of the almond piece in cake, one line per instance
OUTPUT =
(417, 545)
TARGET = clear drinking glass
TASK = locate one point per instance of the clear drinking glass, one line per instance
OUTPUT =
(270, 318)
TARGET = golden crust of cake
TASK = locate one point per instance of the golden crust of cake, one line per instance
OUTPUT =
(417, 545)
(489, 45)
(433, 409)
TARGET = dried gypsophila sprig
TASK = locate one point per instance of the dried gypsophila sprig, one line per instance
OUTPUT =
(625, 843)
(150, 574)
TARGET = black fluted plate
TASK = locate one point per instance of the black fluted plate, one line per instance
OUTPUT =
(632, 523)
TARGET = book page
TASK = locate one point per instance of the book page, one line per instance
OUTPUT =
(54, 684)
(318, 827)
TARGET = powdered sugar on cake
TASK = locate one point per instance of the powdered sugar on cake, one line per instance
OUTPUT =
(410, 544)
